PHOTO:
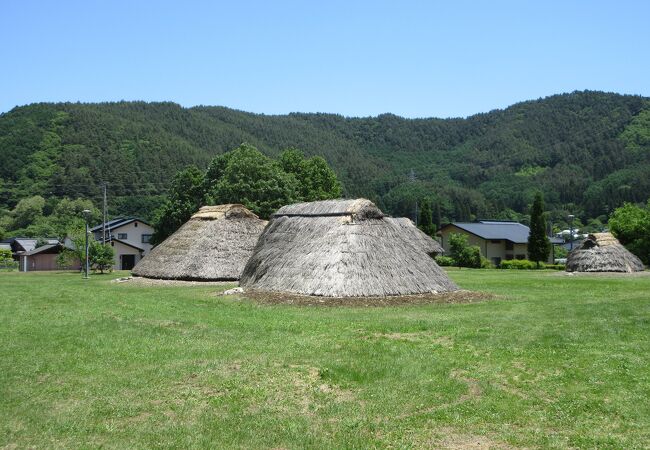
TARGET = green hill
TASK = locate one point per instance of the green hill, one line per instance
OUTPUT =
(587, 151)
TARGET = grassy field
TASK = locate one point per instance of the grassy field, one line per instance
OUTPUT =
(555, 361)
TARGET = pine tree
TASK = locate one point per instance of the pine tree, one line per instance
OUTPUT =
(437, 216)
(539, 246)
(426, 219)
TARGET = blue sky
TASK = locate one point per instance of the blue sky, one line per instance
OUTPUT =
(411, 58)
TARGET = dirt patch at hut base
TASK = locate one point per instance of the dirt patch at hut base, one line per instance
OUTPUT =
(277, 298)
(645, 273)
(142, 281)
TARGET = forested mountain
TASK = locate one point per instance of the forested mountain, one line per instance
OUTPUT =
(587, 151)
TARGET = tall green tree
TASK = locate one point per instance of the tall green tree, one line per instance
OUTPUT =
(437, 216)
(184, 199)
(27, 211)
(425, 223)
(247, 176)
(539, 246)
(316, 179)
(631, 225)
(68, 215)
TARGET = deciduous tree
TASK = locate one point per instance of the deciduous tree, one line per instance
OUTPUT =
(631, 225)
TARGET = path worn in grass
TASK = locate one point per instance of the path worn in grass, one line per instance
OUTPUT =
(552, 362)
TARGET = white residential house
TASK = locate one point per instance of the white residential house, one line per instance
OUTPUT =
(129, 237)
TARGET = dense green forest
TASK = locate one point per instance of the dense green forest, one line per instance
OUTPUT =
(588, 152)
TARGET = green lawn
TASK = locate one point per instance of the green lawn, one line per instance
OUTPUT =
(555, 362)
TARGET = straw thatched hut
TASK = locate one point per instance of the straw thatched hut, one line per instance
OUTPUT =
(213, 245)
(601, 252)
(340, 248)
(418, 237)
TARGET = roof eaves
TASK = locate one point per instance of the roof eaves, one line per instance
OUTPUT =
(127, 244)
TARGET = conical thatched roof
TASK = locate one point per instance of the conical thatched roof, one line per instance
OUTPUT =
(418, 237)
(340, 248)
(213, 245)
(601, 252)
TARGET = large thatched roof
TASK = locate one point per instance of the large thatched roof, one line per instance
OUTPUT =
(213, 245)
(359, 208)
(601, 252)
(418, 237)
(341, 248)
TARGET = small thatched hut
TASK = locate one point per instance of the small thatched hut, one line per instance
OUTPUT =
(418, 237)
(601, 252)
(213, 245)
(340, 248)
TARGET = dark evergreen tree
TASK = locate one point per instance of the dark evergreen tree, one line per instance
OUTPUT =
(539, 246)
(426, 219)
(437, 217)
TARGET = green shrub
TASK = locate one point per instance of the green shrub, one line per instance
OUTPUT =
(470, 257)
(556, 266)
(486, 263)
(6, 261)
(445, 261)
(520, 264)
(464, 254)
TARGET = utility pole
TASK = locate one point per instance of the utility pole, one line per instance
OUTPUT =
(571, 217)
(416, 212)
(104, 217)
(86, 213)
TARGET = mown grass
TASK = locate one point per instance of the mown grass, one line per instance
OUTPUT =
(556, 361)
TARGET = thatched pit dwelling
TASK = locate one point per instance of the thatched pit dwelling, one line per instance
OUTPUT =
(418, 237)
(213, 245)
(601, 252)
(341, 248)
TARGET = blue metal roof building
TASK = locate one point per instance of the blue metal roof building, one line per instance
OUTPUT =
(497, 239)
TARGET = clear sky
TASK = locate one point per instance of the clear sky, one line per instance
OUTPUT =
(356, 58)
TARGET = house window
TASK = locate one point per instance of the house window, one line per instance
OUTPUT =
(520, 256)
(510, 245)
(509, 257)
(146, 238)
(121, 236)
(135, 224)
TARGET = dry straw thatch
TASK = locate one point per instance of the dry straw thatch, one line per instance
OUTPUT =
(422, 240)
(213, 245)
(601, 252)
(341, 248)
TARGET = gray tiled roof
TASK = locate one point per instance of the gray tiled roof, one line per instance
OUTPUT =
(488, 229)
(116, 223)
(41, 249)
(113, 223)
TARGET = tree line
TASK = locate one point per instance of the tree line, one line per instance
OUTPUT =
(587, 152)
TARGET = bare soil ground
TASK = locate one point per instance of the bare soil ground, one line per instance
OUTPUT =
(276, 298)
(141, 281)
(645, 273)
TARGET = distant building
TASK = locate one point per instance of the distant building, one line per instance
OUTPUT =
(130, 239)
(498, 240)
(20, 245)
(44, 258)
